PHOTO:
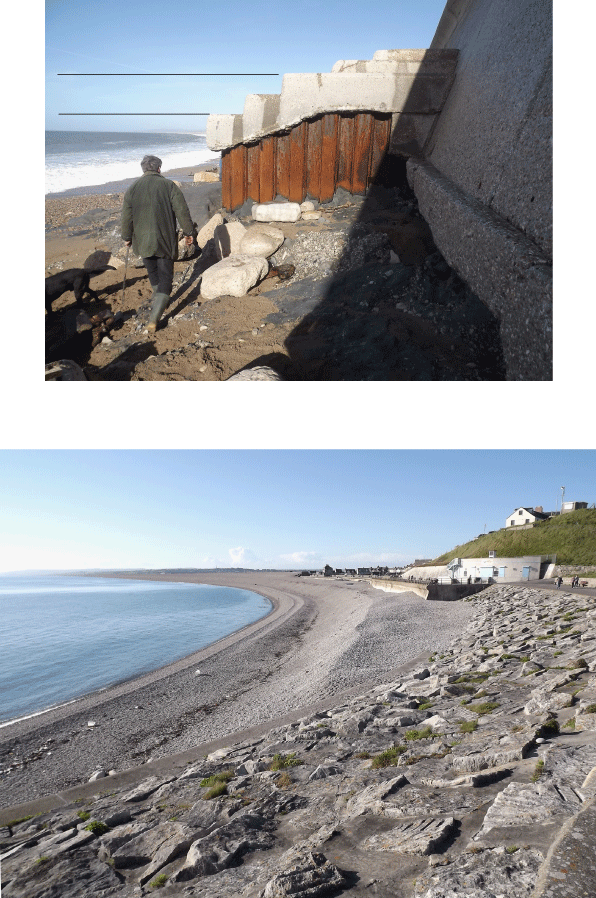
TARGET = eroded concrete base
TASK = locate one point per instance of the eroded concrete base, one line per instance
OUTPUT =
(505, 269)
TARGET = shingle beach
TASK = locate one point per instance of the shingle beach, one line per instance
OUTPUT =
(323, 637)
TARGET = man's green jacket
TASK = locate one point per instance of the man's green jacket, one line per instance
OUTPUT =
(151, 206)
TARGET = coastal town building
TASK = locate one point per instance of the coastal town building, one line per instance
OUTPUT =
(501, 570)
(523, 516)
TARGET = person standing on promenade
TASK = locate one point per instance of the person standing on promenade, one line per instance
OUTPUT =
(151, 206)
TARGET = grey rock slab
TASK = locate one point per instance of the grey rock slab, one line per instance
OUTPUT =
(369, 800)
(416, 837)
(310, 877)
(146, 788)
(486, 874)
(534, 803)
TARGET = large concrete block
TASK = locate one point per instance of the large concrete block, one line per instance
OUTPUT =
(502, 266)
(493, 137)
(303, 96)
(223, 131)
(276, 212)
(260, 115)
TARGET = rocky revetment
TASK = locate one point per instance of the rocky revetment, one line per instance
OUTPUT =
(473, 774)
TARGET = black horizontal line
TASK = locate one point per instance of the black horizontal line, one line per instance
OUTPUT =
(181, 74)
(134, 113)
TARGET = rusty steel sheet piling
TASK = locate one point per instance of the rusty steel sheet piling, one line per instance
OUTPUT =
(311, 159)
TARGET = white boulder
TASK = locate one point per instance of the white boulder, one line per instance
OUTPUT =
(261, 240)
(233, 276)
(228, 238)
(208, 230)
(276, 212)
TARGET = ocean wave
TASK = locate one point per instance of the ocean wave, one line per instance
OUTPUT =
(65, 174)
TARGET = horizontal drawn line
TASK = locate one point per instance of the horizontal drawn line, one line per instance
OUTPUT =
(134, 113)
(178, 74)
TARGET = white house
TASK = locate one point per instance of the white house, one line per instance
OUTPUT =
(502, 570)
(524, 516)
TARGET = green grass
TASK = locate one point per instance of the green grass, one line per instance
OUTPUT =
(425, 706)
(159, 881)
(590, 709)
(483, 707)
(216, 791)
(18, 820)
(412, 735)
(281, 762)
(468, 726)
(570, 536)
(83, 815)
(570, 725)
(217, 778)
(538, 771)
(389, 757)
(97, 827)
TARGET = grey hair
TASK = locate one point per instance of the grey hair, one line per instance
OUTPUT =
(150, 163)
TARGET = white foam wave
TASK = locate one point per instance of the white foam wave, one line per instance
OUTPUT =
(67, 175)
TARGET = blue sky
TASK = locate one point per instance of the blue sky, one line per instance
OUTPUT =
(235, 37)
(282, 509)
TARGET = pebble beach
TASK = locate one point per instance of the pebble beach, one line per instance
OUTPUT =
(323, 638)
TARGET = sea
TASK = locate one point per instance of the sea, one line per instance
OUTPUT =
(65, 636)
(77, 160)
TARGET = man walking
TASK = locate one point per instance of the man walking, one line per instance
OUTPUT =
(151, 206)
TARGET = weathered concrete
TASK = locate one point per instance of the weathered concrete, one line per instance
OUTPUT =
(412, 84)
(485, 186)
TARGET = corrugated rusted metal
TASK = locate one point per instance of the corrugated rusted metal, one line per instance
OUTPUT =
(313, 158)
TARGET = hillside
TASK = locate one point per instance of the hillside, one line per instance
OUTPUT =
(571, 536)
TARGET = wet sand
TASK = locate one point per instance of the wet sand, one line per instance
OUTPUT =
(323, 638)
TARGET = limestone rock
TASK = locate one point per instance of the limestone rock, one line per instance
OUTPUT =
(233, 276)
(228, 238)
(310, 877)
(205, 176)
(260, 242)
(417, 837)
(259, 372)
(276, 212)
(208, 230)
(311, 216)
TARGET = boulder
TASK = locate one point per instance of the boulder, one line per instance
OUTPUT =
(228, 238)
(260, 242)
(205, 176)
(208, 230)
(259, 372)
(276, 212)
(233, 276)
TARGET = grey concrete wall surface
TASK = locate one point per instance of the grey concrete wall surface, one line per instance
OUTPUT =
(494, 135)
(485, 183)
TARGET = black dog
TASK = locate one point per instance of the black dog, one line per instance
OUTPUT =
(75, 279)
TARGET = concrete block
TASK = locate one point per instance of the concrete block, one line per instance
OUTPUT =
(276, 212)
(233, 276)
(260, 115)
(303, 96)
(502, 266)
(223, 131)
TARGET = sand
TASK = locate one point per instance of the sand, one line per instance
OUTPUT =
(323, 638)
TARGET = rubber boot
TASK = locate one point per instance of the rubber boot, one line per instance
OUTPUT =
(160, 301)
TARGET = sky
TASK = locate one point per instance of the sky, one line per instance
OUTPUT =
(73, 510)
(255, 43)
